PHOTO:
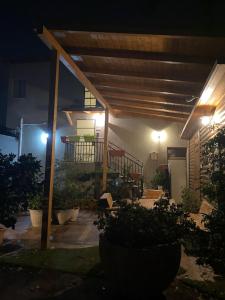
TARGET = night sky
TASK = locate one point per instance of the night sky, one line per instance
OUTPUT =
(17, 20)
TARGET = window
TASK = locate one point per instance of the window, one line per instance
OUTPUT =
(89, 99)
(176, 153)
(19, 88)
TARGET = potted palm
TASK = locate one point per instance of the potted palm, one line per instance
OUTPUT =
(35, 203)
(140, 248)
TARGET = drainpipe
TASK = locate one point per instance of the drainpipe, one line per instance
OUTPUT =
(20, 138)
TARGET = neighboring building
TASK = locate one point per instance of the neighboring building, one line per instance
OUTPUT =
(28, 85)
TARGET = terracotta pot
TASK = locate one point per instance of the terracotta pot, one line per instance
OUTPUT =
(140, 273)
(36, 217)
(64, 215)
(74, 214)
(2, 231)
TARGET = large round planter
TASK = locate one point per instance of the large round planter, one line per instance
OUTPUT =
(36, 217)
(74, 214)
(140, 272)
(2, 231)
(64, 215)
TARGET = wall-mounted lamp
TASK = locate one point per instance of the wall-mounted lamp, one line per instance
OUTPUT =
(205, 120)
(100, 119)
(159, 136)
(44, 137)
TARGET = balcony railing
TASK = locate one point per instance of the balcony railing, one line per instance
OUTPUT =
(119, 160)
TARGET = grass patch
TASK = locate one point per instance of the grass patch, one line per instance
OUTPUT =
(214, 289)
(78, 261)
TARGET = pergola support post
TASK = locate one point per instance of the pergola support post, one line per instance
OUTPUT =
(105, 153)
(50, 149)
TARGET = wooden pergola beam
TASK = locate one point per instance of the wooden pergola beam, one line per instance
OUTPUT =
(138, 114)
(146, 99)
(144, 76)
(135, 89)
(125, 108)
(147, 85)
(50, 150)
(149, 106)
(48, 38)
(105, 152)
(166, 58)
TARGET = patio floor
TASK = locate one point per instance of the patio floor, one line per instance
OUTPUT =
(81, 233)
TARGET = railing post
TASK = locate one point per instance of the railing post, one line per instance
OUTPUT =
(50, 149)
(105, 153)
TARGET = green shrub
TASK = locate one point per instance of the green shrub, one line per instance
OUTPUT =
(134, 226)
(35, 202)
(18, 181)
(190, 202)
(209, 245)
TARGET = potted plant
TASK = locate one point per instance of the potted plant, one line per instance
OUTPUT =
(190, 202)
(161, 180)
(65, 204)
(140, 248)
(89, 138)
(35, 208)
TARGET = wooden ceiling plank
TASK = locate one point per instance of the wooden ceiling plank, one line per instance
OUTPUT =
(155, 107)
(146, 90)
(142, 76)
(147, 115)
(141, 110)
(146, 99)
(143, 55)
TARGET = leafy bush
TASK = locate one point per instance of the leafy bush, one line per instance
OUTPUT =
(35, 202)
(209, 245)
(18, 180)
(134, 226)
(161, 178)
(190, 202)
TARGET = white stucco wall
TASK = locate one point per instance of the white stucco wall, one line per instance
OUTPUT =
(135, 136)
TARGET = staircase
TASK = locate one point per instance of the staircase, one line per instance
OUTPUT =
(119, 161)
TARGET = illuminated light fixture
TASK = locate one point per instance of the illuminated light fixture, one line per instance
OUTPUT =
(205, 96)
(44, 137)
(159, 136)
(205, 120)
(100, 119)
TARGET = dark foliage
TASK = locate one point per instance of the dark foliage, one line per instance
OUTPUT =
(209, 245)
(134, 226)
(18, 180)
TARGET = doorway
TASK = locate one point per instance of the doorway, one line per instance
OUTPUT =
(177, 164)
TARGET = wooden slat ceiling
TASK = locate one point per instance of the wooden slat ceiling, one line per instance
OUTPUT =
(144, 75)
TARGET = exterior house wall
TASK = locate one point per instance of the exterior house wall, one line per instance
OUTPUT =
(135, 136)
(34, 107)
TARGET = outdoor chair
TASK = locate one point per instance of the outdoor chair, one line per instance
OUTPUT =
(205, 209)
(106, 203)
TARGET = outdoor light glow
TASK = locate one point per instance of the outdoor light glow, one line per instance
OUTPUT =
(206, 95)
(159, 136)
(100, 119)
(205, 120)
(44, 137)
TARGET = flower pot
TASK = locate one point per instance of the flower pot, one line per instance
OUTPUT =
(2, 231)
(89, 138)
(64, 215)
(140, 273)
(160, 187)
(36, 217)
(75, 138)
(74, 214)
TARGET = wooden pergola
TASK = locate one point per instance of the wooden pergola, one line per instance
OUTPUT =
(138, 75)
